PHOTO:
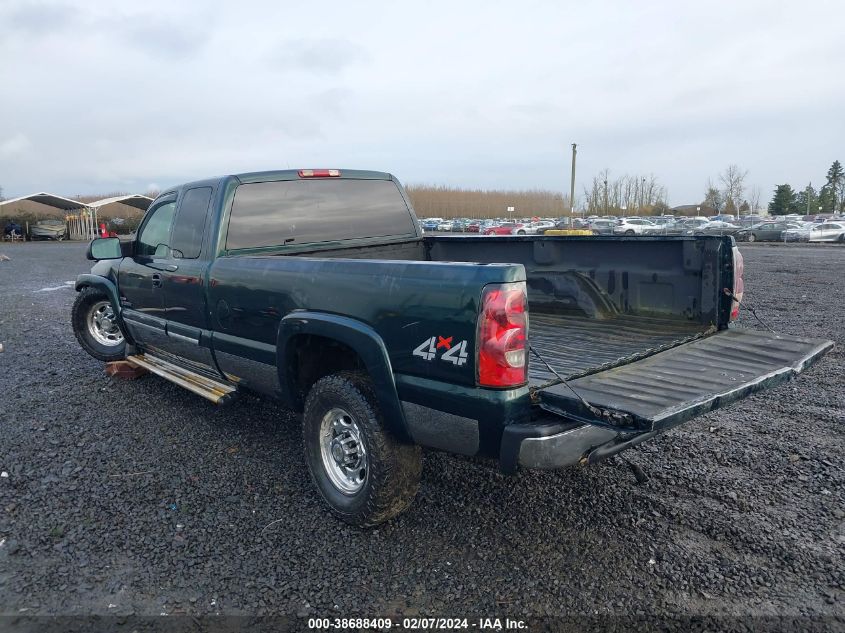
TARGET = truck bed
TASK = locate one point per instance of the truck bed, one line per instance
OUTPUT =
(578, 345)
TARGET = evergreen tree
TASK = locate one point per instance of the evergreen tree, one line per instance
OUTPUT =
(807, 201)
(836, 182)
(783, 201)
(827, 199)
(713, 197)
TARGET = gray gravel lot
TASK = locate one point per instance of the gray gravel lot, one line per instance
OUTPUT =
(138, 497)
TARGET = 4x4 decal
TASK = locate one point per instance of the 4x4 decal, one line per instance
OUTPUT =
(455, 354)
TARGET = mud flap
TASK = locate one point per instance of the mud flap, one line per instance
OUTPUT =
(673, 386)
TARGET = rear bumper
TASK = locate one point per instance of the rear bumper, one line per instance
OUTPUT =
(551, 444)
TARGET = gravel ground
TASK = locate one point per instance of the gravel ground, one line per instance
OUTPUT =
(137, 497)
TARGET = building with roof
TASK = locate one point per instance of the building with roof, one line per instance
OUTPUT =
(82, 218)
(134, 201)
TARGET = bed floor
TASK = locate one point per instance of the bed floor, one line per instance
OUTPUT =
(576, 346)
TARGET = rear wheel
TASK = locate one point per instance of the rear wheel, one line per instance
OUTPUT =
(362, 472)
(95, 326)
(520, 232)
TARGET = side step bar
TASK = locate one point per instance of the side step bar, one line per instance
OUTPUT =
(217, 392)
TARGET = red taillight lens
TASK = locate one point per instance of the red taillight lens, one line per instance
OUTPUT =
(503, 336)
(318, 173)
(739, 285)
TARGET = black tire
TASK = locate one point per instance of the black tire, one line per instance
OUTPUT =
(85, 303)
(520, 232)
(392, 469)
(752, 237)
(630, 232)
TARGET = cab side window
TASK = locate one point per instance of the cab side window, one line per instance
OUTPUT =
(157, 230)
(190, 223)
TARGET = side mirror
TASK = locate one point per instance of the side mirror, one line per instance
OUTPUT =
(104, 248)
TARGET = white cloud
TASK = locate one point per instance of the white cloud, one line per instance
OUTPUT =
(473, 93)
(14, 146)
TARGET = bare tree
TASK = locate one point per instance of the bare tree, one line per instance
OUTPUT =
(630, 194)
(756, 194)
(733, 186)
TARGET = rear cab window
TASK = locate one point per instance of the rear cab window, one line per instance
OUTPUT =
(296, 212)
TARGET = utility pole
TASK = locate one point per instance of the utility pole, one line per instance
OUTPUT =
(808, 197)
(572, 182)
(605, 196)
(642, 194)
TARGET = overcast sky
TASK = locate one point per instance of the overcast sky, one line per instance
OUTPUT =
(97, 97)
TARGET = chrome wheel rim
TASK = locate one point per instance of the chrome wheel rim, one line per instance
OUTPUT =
(343, 452)
(102, 325)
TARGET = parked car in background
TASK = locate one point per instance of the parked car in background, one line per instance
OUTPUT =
(766, 231)
(504, 228)
(828, 232)
(601, 226)
(717, 227)
(633, 226)
(686, 226)
(430, 224)
(459, 225)
(561, 224)
(531, 228)
(473, 227)
(750, 220)
(799, 234)
(445, 225)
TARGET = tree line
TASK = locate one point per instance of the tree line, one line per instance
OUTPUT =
(829, 199)
(625, 195)
(454, 202)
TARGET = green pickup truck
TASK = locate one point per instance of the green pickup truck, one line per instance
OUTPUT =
(318, 288)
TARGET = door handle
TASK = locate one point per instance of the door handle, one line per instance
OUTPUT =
(156, 280)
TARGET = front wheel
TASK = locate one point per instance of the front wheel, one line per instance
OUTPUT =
(362, 472)
(520, 232)
(630, 232)
(751, 237)
(95, 326)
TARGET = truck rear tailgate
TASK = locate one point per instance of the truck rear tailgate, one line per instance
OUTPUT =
(672, 386)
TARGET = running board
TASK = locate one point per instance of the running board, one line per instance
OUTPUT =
(217, 392)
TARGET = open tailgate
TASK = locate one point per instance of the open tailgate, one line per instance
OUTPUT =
(676, 385)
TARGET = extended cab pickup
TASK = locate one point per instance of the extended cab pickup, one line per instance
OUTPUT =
(317, 287)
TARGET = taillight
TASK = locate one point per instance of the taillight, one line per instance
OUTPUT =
(503, 336)
(739, 286)
(318, 173)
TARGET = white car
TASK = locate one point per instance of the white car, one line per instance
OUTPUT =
(531, 228)
(634, 226)
(445, 226)
(828, 232)
(800, 233)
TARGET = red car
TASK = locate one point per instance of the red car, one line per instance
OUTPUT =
(473, 227)
(503, 229)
